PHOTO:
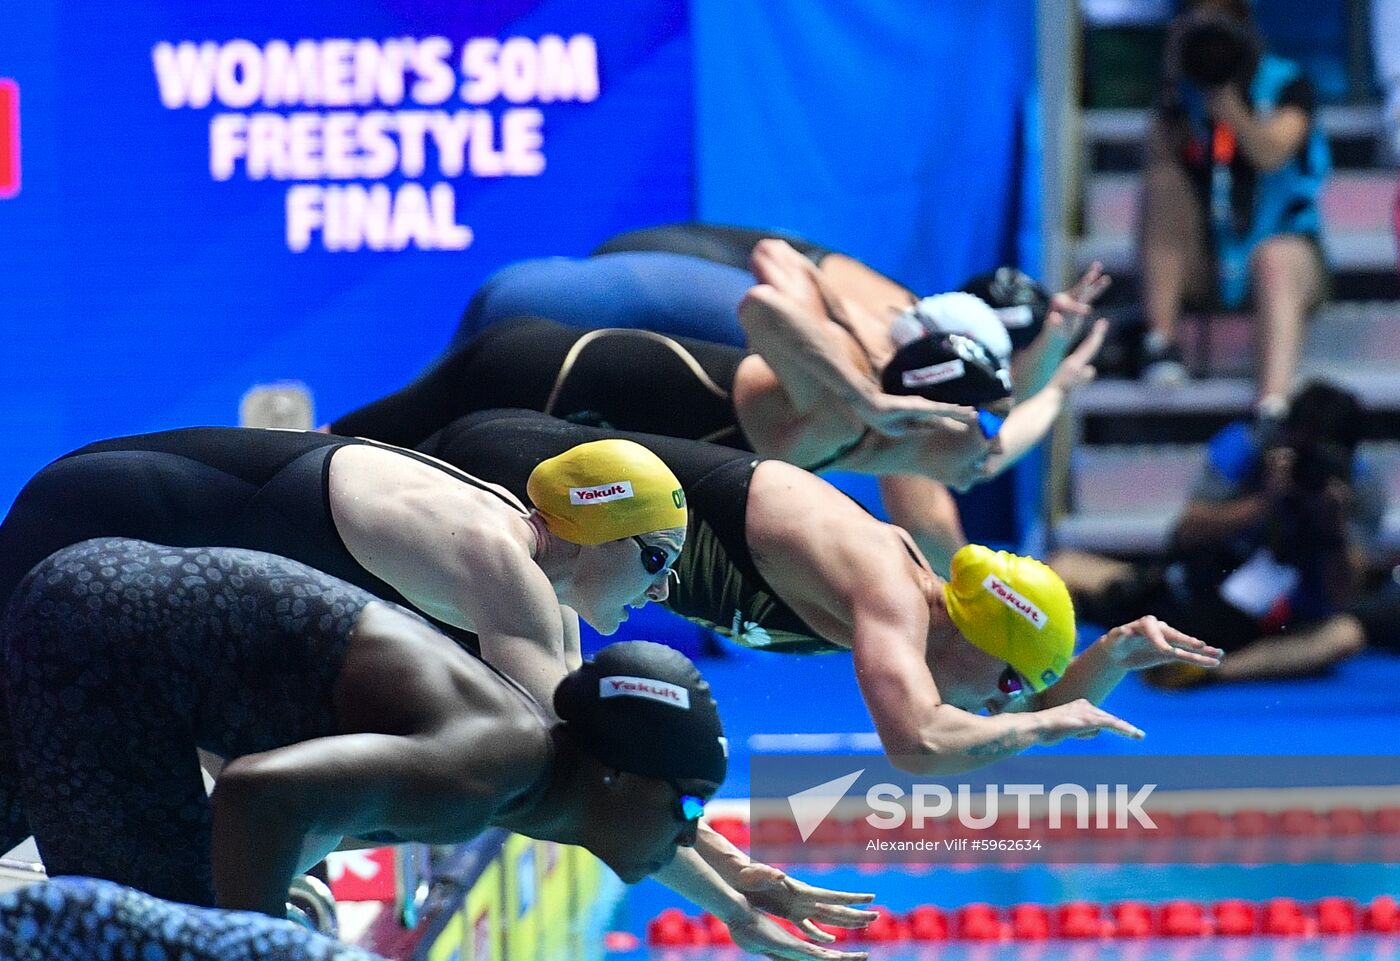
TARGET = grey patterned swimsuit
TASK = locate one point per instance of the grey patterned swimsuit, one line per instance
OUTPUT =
(117, 658)
(82, 919)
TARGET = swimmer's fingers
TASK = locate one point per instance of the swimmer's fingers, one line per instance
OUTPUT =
(1148, 642)
(1091, 284)
(758, 934)
(1081, 718)
(1192, 650)
(844, 917)
(896, 414)
(1089, 348)
(1116, 725)
(815, 933)
(826, 896)
(770, 890)
(1077, 369)
(774, 262)
(935, 416)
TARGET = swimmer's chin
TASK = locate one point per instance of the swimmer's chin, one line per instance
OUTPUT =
(633, 874)
(606, 628)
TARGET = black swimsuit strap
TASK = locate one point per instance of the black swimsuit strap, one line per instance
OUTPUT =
(829, 461)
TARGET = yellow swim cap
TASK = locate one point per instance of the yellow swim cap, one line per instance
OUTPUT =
(1015, 609)
(606, 490)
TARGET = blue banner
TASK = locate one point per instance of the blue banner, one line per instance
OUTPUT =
(215, 194)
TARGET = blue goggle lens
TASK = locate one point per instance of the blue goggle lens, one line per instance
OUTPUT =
(990, 423)
(691, 807)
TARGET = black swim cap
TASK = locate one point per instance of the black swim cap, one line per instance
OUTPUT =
(949, 369)
(644, 708)
(1020, 302)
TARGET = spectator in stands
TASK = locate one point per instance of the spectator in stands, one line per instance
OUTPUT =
(1235, 163)
(1267, 555)
(1385, 46)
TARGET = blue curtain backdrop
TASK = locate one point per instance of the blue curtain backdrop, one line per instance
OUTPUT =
(890, 129)
(893, 130)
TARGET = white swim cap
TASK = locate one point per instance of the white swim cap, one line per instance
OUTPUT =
(955, 313)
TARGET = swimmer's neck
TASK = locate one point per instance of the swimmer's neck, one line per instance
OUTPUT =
(548, 808)
(551, 554)
(943, 634)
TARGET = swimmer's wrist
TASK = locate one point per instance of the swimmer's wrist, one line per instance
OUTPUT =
(738, 911)
(1035, 729)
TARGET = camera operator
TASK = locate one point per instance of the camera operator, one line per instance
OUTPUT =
(1267, 556)
(1235, 164)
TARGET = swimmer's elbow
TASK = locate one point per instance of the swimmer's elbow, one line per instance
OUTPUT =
(933, 749)
(913, 751)
(251, 791)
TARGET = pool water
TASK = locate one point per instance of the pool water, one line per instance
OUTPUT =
(1351, 710)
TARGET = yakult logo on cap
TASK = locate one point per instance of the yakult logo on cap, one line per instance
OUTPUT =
(999, 589)
(622, 686)
(601, 494)
(935, 374)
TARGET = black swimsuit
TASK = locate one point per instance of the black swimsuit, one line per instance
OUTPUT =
(259, 489)
(627, 379)
(717, 583)
(265, 490)
(717, 243)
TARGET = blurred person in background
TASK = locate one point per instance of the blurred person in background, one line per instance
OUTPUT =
(1268, 555)
(1230, 219)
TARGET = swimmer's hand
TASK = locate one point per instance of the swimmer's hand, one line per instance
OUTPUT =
(1148, 642)
(1077, 369)
(895, 415)
(1074, 305)
(1080, 718)
(756, 933)
(770, 890)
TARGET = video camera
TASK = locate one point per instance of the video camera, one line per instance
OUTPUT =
(1216, 49)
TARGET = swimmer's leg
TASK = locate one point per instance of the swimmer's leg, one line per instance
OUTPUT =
(666, 293)
(82, 918)
(103, 739)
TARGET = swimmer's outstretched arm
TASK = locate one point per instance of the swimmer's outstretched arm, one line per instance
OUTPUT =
(1029, 422)
(921, 733)
(872, 588)
(1033, 367)
(1135, 646)
(266, 807)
